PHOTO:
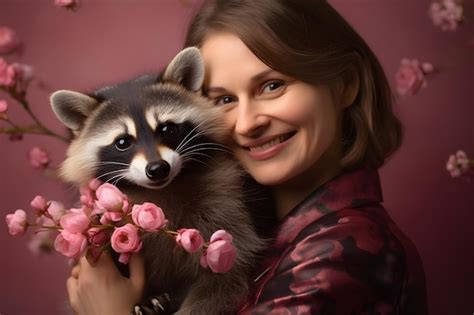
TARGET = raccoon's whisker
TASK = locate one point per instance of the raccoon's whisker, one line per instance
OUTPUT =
(209, 146)
(111, 172)
(207, 149)
(196, 160)
(118, 179)
(114, 177)
(110, 162)
(194, 153)
(186, 137)
(199, 133)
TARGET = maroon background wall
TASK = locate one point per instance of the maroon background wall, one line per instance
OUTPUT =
(110, 40)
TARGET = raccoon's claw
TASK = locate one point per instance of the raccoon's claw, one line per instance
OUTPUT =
(160, 304)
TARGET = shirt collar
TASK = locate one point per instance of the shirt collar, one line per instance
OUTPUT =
(350, 189)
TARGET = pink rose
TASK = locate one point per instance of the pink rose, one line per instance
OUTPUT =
(410, 77)
(110, 217)
(110, 198)
(3, 106)
(125, 239)
(8, 40)
(17, 222)
(72, 245)
(38, 158)
(75, 222)
(190, 239)
(7, 74)
(220, 256)
(148, 216)
(221, 235)
(94, 184)
(97, 236)
(39, 203)
(56, 210)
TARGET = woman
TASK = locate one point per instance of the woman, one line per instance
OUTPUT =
(309, 108)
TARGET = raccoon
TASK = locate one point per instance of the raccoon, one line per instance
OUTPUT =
(158, 140)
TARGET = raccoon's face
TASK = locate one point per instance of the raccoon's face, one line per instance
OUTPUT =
(141, 132)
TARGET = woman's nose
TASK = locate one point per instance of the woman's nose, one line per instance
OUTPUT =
(250, 120)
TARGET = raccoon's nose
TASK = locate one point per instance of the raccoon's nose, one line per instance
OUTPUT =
(157, 170)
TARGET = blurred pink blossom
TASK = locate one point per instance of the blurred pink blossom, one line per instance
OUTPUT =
(410, 77)
(190, 239)
(458, 164)
(17, 222)
(56, 210)
(148, 216)
(7, 74)
(41, 242)
(9, 41)
(23, 74)
(446, 14)
(38, 158)
(72, 245)
(39, 203)
(68, 4)
(3, 106)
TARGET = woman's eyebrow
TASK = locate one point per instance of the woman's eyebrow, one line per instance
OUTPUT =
(257, 77)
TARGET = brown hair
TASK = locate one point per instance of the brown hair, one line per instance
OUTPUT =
(310, 41)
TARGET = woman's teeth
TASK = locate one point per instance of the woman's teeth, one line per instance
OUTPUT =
(270, 143)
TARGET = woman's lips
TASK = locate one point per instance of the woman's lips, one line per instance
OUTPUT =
(266, 148)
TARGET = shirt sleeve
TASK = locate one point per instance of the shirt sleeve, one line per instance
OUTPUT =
(347, 264)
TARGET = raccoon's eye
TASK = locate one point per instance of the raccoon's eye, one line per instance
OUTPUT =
(123, 142)
(168, 129)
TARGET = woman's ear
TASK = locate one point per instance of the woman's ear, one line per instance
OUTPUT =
(350, 88)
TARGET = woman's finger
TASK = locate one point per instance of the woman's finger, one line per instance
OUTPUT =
(75, 271)
(71, 285)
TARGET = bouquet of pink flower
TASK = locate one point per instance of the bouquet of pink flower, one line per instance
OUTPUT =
(108, 220)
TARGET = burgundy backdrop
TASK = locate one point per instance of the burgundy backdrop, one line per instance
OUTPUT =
(111, 40)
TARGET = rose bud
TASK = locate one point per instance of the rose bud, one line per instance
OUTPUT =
(125, 239)
(74, 222)
(72, 245)
(221, 235)
(17, 222)
(190, 239)
(97, 236)
(220, 256)
(111, 198)
(56, 210)
(148, 216)
(38, 203)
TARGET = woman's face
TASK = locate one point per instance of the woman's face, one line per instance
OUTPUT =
(281, 126)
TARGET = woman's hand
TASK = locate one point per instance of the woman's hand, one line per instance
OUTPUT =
(102, 290)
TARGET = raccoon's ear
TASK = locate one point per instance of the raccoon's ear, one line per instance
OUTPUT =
(72, 108)
(187, 69)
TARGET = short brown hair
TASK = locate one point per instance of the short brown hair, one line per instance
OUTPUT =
(312, 42)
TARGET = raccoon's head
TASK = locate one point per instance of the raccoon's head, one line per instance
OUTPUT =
(141, 132)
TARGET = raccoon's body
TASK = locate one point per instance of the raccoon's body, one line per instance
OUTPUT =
(161, 142)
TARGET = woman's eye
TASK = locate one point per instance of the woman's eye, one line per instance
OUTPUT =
(123, 143)
(224, 100)
(168, 129)
(272, 86)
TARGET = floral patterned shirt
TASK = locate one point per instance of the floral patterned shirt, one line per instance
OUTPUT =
(339, 252)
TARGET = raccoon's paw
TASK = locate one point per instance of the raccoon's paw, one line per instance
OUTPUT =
(160, 304)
